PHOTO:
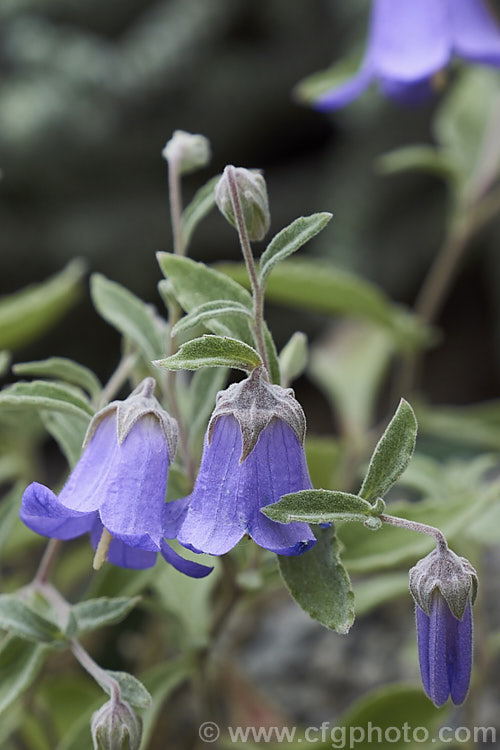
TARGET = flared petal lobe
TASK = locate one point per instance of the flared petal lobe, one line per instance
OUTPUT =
(42, 512)
(409, 40)
(227, 498)
(475, 32)
(445, 651)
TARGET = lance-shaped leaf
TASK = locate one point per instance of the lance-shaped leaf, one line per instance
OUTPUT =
(94, 613)
(392, 453)
(212, 351)
(20, 662)
(40, 394)
(419, 157)
(26, 314)
(132, 317)
(318, 506)
(220, 309)
(68, 430)
(63, 369)
(291, 239)
(201, 205)
(319, 583)
(193, 284)
(18, 618)
(293, 358)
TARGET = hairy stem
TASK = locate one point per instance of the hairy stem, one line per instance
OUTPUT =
(48, 559)
(117, 379)
(257, 290)
(421, 528)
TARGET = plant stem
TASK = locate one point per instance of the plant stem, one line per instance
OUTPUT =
(421, 528)
(99, 674)
(117, 379)
(174, 310)
(257, 290)
(47, 561)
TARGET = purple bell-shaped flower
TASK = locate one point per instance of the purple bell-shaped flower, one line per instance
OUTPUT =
(253, 455)
(444, 587)
(116, 492)
(410, 41)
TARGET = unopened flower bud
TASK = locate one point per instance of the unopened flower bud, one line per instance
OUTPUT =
(190, 152)
(452, 576)
(116, 727)
(252, 191)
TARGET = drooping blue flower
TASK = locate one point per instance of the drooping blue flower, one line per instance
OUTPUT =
(444, 651)
(444, 587)
(116, 492)
(410, 41)
(253, 455)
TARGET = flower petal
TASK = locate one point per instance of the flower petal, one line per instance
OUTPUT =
(460, 657)
(346, 92)
(423, 625)
(133, 489)
(410, 94)
(475, 32)
(174, 514)
(188, 567)
(441, 629)
(214, 523)
(42, 512)
(409, 39)
(122, 554)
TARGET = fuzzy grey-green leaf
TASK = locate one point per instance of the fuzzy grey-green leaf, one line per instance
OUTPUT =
(63, 369)
(132, 689)
(94, 613)
(392, 453)
(319, 583)
(20, 662)
(41, 394)
(291, 239)
(201, 205)
(19, 619)
(317, 506)
(220, 309)
(212, 351)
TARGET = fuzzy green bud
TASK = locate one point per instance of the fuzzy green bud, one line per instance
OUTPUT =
(188, 151)
(252, 192)
(116, 727)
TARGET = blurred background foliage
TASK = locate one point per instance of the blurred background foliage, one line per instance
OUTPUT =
(89, 93)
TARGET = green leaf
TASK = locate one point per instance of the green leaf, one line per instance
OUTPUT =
(318, 506)
(421, 157)
(194, 284)
(319, 583)
(132, 689)
(20, 662)
(94, 613)
(293, 358)
(132, 317)
(461, 122)
(291, 239)
(316, 285)
(21, 620)
(473, 425)
(392, 453)
(68, 431)
(311, 88)
(40, 394)
(212, 351)
(9, 512)
(27, 314)
(63, 369)
(349, 366)
(209, 311)
(201, 205)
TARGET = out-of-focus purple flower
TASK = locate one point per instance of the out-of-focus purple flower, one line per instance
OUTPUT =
(253, 455)
(444, 587)
(444, 651)
(116, 492)
(410, 41)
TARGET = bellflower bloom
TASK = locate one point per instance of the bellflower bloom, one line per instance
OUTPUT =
(116, 492)
(410, 41)
(444, 587)
(253, 455)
